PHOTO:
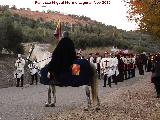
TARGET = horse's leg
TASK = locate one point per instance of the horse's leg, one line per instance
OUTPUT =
(87, 97)
(94, 87)
(49, 97)
(98, 103)
(53, 87)
(96, 97)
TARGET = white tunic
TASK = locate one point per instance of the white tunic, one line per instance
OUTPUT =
(91, 60)
(33, 68)
(115, 65)
(18, 73)
(106, 66)
(98, 59)
(125, 60)
(133, 60)
(20, 63)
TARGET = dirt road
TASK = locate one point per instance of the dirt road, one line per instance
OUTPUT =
(27, 103)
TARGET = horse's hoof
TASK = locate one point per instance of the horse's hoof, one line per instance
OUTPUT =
(52, 105)
(47, 105)
(85, 109)
(97, 108)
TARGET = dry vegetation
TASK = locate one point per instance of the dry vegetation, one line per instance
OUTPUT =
(47, 17)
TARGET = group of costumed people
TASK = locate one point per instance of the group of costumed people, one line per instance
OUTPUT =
(19, 72)
(111, 67)
(117, 67)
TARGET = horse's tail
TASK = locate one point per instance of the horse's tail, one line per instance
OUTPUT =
(94, 83)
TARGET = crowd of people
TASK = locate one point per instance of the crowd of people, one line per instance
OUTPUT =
(19, 72)
(117, 67)
(111, 67)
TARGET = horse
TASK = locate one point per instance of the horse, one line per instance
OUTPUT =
(43, 58)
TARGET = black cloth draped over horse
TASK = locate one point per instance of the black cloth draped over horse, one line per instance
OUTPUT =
(65, 70)
(79, 74)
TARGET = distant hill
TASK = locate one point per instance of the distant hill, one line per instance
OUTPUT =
(53, 16)
(39, 27)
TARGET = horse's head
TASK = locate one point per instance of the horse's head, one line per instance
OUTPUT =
(39, 54)
(30, 53)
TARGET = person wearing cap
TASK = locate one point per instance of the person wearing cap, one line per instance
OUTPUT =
(106, 68)
(132, 65)
(149, 63)
(139, 64)
(33, 71)
(126, 62)
(115, 69)
(19, 74)
(90, 58)
(120, 66)
(63, 56)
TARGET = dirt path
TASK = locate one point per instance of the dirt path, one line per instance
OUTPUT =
(27, 103)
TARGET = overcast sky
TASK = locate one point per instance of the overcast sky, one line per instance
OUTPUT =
(114, 13)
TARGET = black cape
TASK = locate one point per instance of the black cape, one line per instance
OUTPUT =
(62, 57)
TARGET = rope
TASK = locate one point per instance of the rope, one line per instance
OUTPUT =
(43, 59)
(31, 53)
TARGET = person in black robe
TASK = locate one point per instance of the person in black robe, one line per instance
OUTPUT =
(120, 69)
(63, 56)
(139, 63)
(149, 64)
(156, 75)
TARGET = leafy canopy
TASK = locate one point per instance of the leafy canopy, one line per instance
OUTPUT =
(147, 14)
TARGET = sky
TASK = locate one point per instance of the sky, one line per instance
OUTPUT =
(111, 12)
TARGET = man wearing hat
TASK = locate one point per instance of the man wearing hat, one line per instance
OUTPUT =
(33, 71)
(126, 62)
(106, 67)
(19, 74)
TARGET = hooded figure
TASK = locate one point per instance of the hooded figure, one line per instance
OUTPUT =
(63, 56)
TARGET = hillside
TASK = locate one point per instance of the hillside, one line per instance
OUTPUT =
(48, 17)
(34, 26)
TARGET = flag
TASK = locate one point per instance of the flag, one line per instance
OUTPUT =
(58, 31)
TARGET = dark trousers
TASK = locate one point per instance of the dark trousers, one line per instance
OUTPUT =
(141, 71)
(149, 67)
(133, 72)
(145, 66)
(105, 80)
(120, 77)
(34, 77)
(157, 85)
(125, 74)
(129, 73)
(98, 70)
(18, 81)
(114, 77)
